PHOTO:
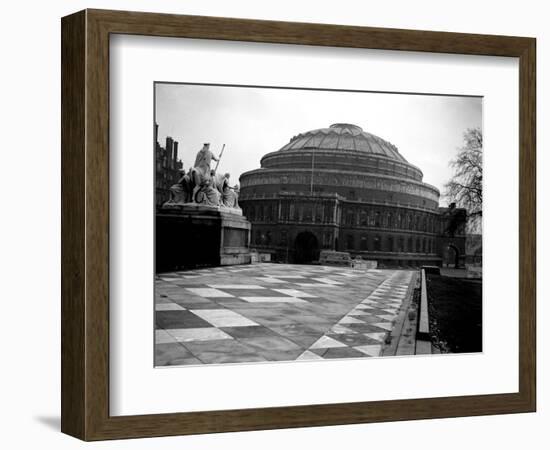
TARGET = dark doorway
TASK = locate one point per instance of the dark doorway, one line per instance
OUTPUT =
(306, 248)
(450, 258)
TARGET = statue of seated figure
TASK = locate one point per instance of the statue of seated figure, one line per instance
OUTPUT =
(208, 194)
(181, 191)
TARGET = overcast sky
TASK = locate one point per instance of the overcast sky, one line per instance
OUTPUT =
(251, 122)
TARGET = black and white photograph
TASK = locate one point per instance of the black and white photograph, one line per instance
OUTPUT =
(296, 224)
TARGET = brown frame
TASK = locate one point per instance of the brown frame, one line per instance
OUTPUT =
(85, 224)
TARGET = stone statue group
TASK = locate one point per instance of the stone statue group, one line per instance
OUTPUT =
(202, 185)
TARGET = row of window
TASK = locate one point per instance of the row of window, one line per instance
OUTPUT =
(357, 243)
(308, 212)
(404, 221)
(391, 244)
(324, 213)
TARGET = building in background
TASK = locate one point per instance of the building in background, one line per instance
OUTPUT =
(341, 188)
(167, 168)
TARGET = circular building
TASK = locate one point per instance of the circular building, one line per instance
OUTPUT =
(341, 188)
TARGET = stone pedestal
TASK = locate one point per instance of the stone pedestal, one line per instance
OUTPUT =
(190, 236)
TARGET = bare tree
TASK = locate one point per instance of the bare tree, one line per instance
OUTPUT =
(466, 186)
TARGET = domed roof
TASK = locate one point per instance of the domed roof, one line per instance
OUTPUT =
(344, 136)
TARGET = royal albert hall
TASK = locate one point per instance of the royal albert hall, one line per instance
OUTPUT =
(341, 188)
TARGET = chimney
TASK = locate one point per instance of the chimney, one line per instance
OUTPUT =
(174, 165)
(156, 133)
(169, 142)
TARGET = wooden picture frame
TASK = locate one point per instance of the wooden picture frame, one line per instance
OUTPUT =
(85, 224)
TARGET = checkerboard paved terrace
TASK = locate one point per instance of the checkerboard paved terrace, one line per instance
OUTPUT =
(276, 312)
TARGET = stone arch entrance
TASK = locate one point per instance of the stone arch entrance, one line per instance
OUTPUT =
(451, 256)
(306, 248)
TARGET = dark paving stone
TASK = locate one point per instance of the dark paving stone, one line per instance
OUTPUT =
(188, 298)
(252, 292)
(353, 340)
(365, 328)
(179, 319)
(173, 354)
(303, 335)
(273, 320)
(223, 351)
(271, 344)
(368, 319)
(204, 305)
(307, 319)
(249, 332)
(233, 303)
(280, 355)
(343, 352)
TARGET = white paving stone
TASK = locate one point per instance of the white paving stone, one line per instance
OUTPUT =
(209, 292)
(294, 293)
(327, 342)
(308, 356)
(281, 299)
(223, 318)
(163, 337)
(270, 280)
(198, 334)
(340, 329)
(348, 319)
(371, 350)
(328, 281)
(236, 286)
(384, 325)
(168, 307)
(376, 336)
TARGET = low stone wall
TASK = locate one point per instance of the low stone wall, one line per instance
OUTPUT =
(423, 339)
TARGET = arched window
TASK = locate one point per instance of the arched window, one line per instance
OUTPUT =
(418, 245)
(364, 218)
(377, 219)
(390, 220)
(410, 246)
(363, 246)
(400, 244)
(251, 214)
(349, 242)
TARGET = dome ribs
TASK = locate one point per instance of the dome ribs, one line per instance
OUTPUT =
(345, 136)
